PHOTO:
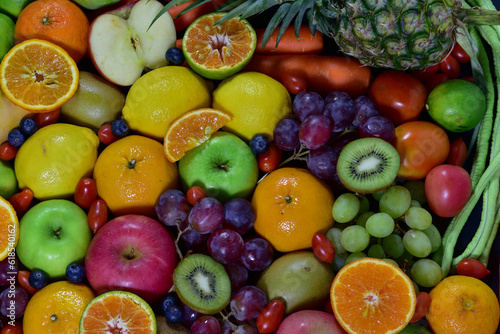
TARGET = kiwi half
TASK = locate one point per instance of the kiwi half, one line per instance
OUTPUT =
(202, 284)
(368, 165)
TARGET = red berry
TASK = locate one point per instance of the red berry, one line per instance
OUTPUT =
(105, 135)
(7, 151)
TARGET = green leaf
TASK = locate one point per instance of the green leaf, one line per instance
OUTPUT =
(275, 21)
(166, 8)
(290, 15)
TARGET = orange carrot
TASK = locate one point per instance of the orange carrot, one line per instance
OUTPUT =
(321, 73)
(182, 22)
(307, 43)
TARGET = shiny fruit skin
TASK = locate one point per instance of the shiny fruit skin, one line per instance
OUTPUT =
(97, 215)
(269, 160)
(423, 303)
(473, 268)
(270, 317)
(85, 193)
(323, 247)
(458, 152)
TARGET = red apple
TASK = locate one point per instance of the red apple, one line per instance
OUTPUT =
(134, 253)
(310, 322)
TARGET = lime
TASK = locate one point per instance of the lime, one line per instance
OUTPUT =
(218, 51)
(7, 29)
(8, 181)
(13, 7)
(255, 101)
(457, 105)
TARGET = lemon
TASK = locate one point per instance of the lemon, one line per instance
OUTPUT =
(55, 158)
(255, 101)
(158, 97)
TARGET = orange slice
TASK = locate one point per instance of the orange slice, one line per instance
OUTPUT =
(118, 312)
(192, 129)
(38, 75)
(372, 296)
(9, 228)
(218, 51)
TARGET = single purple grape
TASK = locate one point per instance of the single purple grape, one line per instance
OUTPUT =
(238, 275)
(307, 103)
(239, 215)
(257, 254)
(343, 140)
(205, 324)
(206, 215)
(193, 240)
(315, 131)
(225, 245)
(286, 134)
(248, 302)
(322, 162)
(379, 127)
(189, 315)
(172, 208)
(9, 268)
(335, 95)
(341, 113)
(13, 301)
(364, 107)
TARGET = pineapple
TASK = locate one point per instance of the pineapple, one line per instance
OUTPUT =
(397, 34)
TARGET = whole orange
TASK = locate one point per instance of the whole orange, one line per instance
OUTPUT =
(131, 173)
(61, 22)
(291, 204)
(57, 308)
(463, 304)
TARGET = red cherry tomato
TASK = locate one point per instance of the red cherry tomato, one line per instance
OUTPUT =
(459, 53)
(97, 215)
(85, 193)
(23, 279)
(294, 84)
(194, 194)
(447, 189)
(451, 67)
(47, 118)
(105, 135)
(21, 201)
(423, 303)
(10, 329)
(435, 80)
(458, 152)
(473, 268)
(398, 95)
(7, 151)
(269, 160)
(421, 146)
(323, 247)
(270, 317)
(425, 74)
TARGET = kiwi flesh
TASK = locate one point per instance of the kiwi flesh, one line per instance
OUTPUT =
(367, 165)
(202, 283)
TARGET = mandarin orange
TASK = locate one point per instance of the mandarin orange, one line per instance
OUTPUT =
(9, 228)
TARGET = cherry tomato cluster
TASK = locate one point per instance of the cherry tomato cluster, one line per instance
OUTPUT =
(86, 197)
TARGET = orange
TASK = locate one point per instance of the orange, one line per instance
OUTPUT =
(192, 129)
(291, 204)
(372, 296)
(57, 308)
(38, 76)
(131, 173)
(9, 228)
(58, 21)
(463, 304)
(118, 312)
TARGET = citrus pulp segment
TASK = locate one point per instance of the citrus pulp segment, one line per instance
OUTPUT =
(9, 228)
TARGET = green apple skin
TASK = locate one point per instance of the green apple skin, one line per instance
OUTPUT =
(224, 166)
(52, 235)
(95, 4)
(13, 7)
(7, 33)
(8, 181)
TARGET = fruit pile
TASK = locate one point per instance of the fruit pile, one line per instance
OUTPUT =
(177, 167)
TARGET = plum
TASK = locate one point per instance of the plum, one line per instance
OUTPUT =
(310, 322)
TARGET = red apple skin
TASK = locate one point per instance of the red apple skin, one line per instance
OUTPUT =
(310, 322)
(148, 274)
(447, 189)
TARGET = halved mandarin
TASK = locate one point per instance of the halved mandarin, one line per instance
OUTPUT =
(192, 129)
(372, 296)
(9, 228)
(38, 75)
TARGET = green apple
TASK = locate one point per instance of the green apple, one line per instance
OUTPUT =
(52, 235)
(95, 4)
(7, 32)
(13, 7)
(8, 181)
(224, 166)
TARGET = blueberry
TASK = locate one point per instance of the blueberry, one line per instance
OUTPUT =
(38, 279)
(173, 313)
(168, 301)
(175, 56)
(119, 128)
(16, 138)
(75, 273)
(259, 144)
(28, 126)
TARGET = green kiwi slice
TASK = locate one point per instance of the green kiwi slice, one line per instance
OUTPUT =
(202, 283)
(368, 165)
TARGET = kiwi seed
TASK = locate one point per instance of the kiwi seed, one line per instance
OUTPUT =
(368, 165)
(202, 283)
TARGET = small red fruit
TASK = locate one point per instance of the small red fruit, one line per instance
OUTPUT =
(323, 247)
(85, 193)
(270, 317)
(472, 268)
(97, 215)
(7, 151)
(194, 194)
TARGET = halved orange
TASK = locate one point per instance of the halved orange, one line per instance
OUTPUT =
(9, 228)
(218, 51)
(372, 296)
(192, 129)
(118, 312)
(38, 75)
